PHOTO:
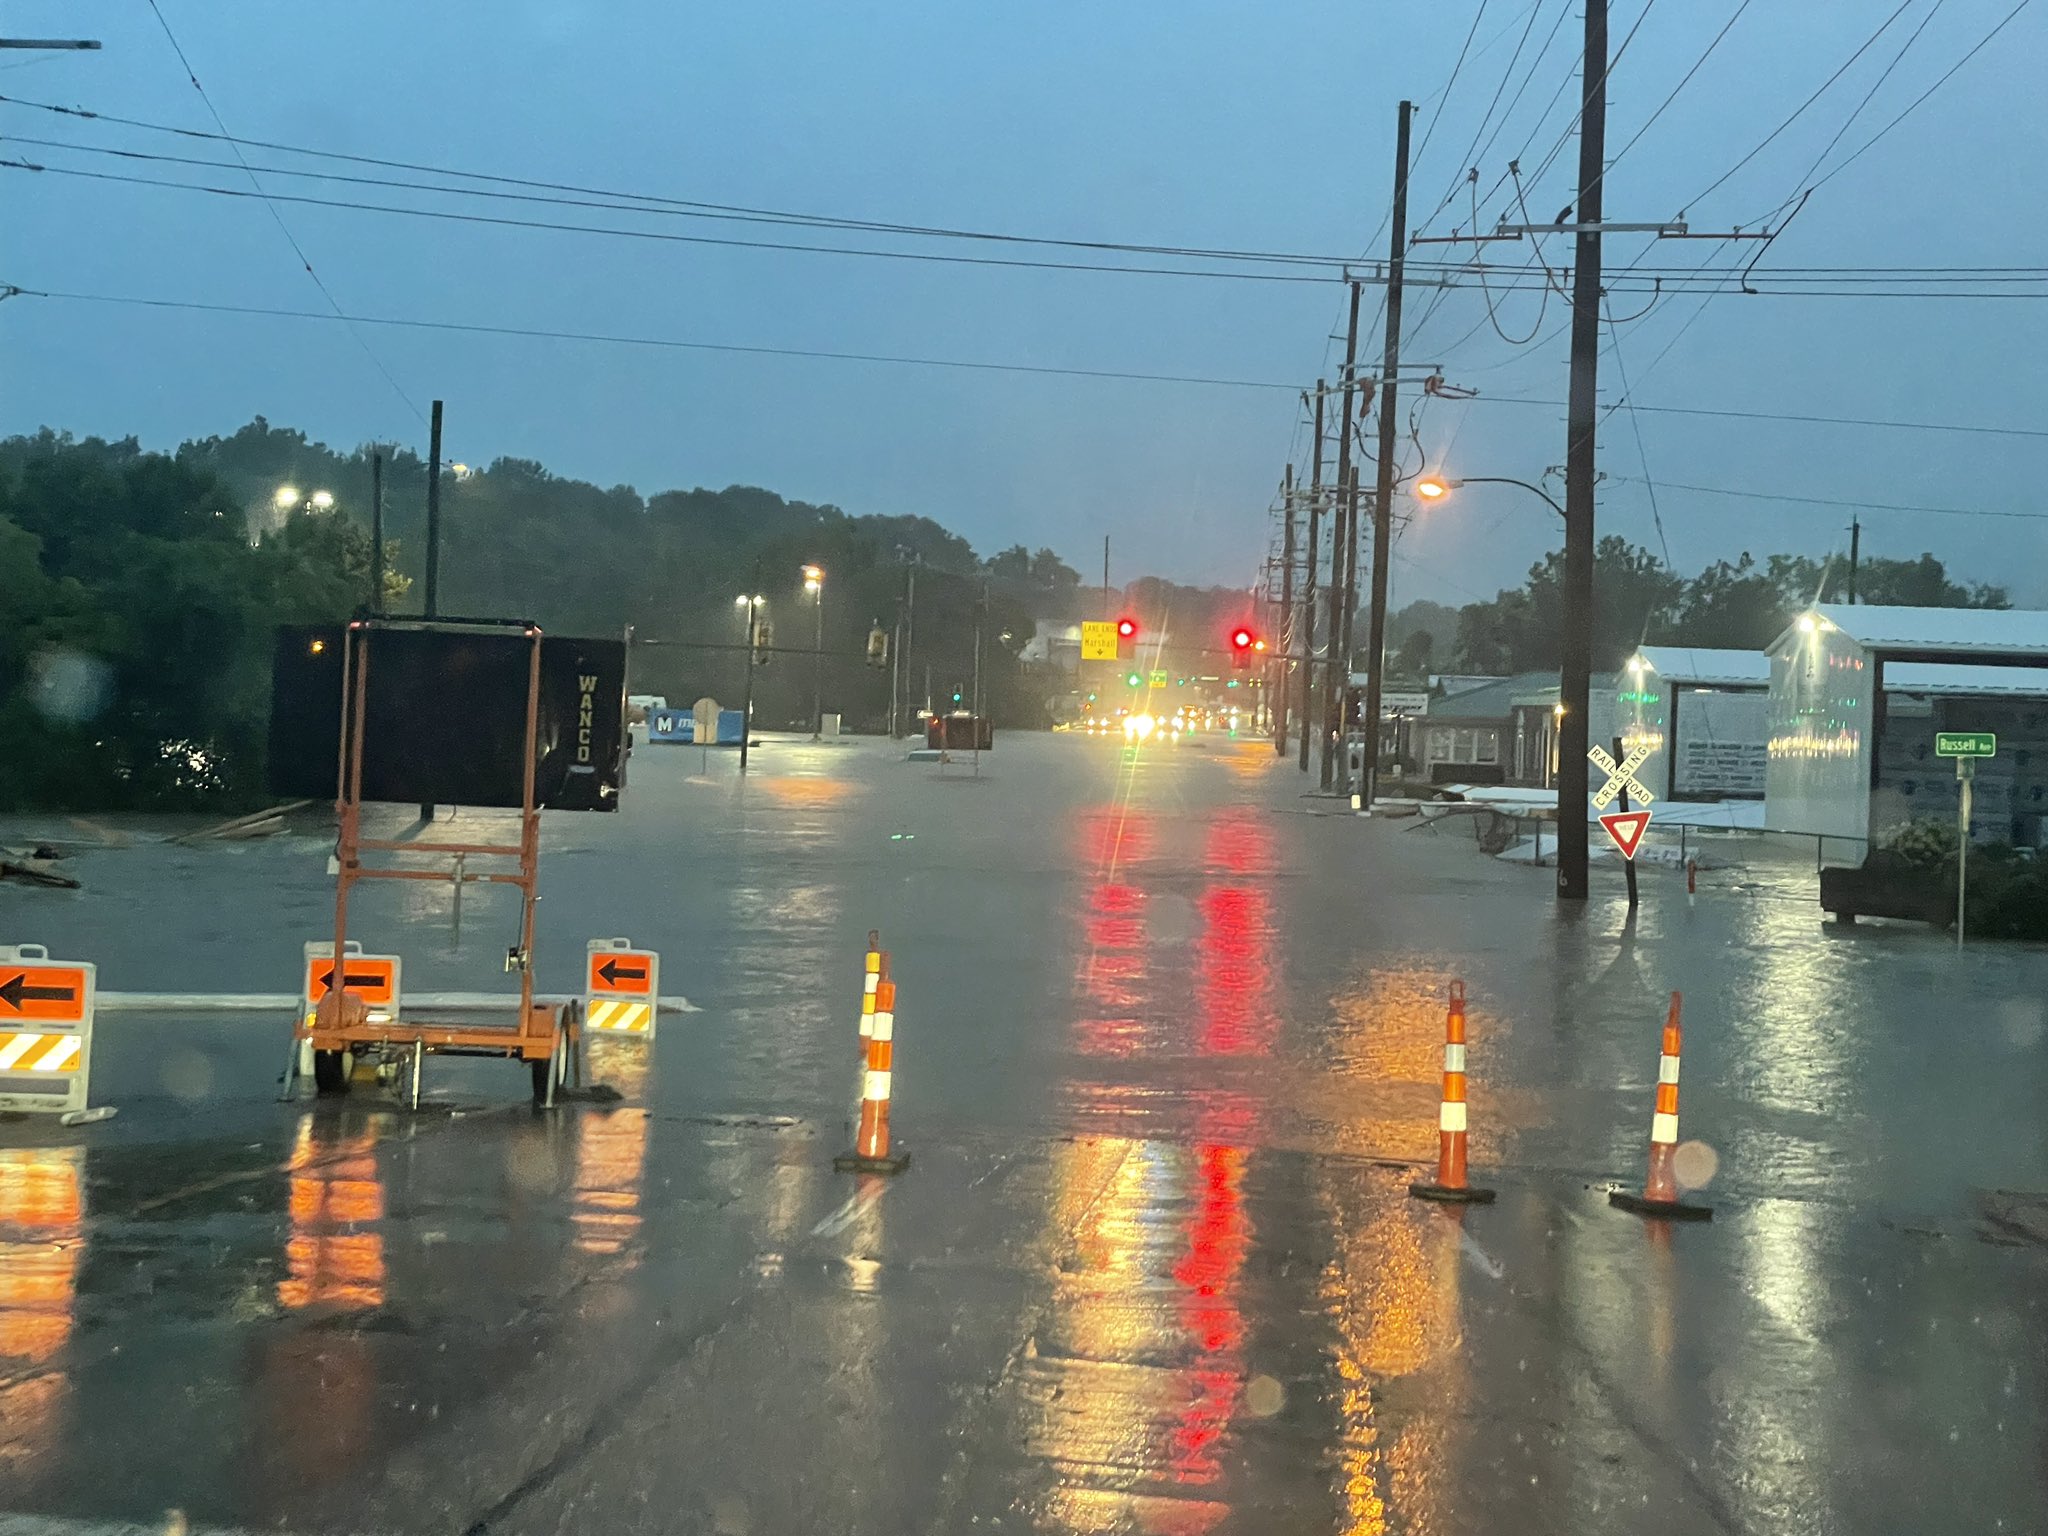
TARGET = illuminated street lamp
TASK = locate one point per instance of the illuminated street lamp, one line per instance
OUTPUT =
(814, 584)
(1436, 488)
(286, 498)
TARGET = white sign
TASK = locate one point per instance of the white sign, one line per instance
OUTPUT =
(1718, 741)
(1620, 777)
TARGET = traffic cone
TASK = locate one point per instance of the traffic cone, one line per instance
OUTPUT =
(1450, 1186)
(871, 1153)
(1660, 1188)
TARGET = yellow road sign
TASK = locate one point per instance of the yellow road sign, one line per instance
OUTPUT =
(1098, 640)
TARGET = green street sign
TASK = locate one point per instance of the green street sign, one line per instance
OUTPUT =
(1965, 744)
(1158, 679)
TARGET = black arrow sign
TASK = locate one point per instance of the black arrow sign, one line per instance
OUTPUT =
(15, 991)
(352, 979)
(611, 971)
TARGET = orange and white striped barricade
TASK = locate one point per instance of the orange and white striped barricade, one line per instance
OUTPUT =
(46, 1009)
(621, 985)
(872, 1152)
(1660, 1188)
(1451, 1186)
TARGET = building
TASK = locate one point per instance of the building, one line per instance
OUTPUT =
(1703, 713)
(1503, 732)
(1856, 697)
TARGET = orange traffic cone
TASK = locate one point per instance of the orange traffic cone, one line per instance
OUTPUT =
(1660, 1188)
(871, 1153)
(1450, 1185)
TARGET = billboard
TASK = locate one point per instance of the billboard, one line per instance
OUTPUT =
(445, 715)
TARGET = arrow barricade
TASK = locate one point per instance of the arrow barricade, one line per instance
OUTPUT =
(621, 985)
(46, 1013)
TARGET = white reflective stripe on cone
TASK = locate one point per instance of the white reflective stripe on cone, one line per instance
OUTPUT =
(1454, 1058)
(60, 1056)
(872, 980)
(1667, 1069)
(885, 1027)
(1664, 1128)
(877, 1086)
(1451, 1117)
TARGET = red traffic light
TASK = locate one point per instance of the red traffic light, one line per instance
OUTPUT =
(1126, 628)
(1241, 639)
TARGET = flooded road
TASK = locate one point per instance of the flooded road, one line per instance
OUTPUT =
(1167, 1052)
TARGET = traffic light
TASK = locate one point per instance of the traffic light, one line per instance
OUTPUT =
(764, 641)
(1126, 635)
(956, 695)
(878, 647)
(1133, 680)
(1241, 642)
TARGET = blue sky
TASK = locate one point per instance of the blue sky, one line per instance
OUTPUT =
(1168, 121)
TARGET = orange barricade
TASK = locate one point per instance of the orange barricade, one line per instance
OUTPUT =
(1660, 1188)
(1451, 1186)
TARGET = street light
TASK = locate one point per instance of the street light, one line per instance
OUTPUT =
(323, 500)
(287, 497)
(753, 606)
(814, 584)
(1436, 488)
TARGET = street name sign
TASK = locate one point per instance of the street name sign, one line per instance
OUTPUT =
(1965, 744)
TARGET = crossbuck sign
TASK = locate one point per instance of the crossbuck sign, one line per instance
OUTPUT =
(1620, 777)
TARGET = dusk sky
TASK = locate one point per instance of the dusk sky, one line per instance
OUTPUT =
(1190, 123)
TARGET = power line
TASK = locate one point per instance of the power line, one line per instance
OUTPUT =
(668, 343)
(1828, 501)
(1684, 80)
(1803, 419)
(283, 228)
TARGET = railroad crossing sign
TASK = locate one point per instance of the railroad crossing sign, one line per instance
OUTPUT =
(1965, 744)
(1627, 829)
(1098, 640)
(1620, 777)
(620, 984)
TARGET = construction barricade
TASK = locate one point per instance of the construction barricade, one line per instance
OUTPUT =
(46, 1011)
(1451, 1185)
(872, 1151)
(1660, 1187)
(621, 986)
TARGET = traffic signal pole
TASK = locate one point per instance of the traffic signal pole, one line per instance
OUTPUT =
(1383, 492)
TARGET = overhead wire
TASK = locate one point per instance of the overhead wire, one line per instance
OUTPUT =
(283, 228)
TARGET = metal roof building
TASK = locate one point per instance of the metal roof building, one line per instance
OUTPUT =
(1856, 697)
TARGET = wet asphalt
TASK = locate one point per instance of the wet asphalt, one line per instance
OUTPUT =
(1167, 1052)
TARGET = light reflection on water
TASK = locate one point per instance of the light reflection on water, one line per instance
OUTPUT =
(42, 1249)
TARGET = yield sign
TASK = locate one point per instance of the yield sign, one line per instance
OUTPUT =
(1620, 776)
(1627, 829)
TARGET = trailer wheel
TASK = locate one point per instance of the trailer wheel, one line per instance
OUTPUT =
(329, 1072)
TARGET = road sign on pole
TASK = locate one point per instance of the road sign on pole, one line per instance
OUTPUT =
(1620, 776)
(1965, 744)
(1627, 829)
(1098, 640)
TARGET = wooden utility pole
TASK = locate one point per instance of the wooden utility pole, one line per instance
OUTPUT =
(1306, 624)
(1282, 640)
(1383, 492)
(434, 512)
(1343, 531)
(1855, 551)
(1575, 671)
(376, 533)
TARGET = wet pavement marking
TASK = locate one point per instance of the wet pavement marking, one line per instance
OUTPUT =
(839, 1220)
(1482, 1261)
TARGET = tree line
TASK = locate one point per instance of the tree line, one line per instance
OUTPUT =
(139, 591)
(1743, 604)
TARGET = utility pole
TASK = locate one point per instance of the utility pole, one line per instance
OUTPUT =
(1383, 495)
(1276, 697)
(1337, 666)
(376, 533)
(1350, 617)
(1108, 603)
(1575, 672)
(434, 513)
(1855, 549)
(1307, 622)
(747, 705)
